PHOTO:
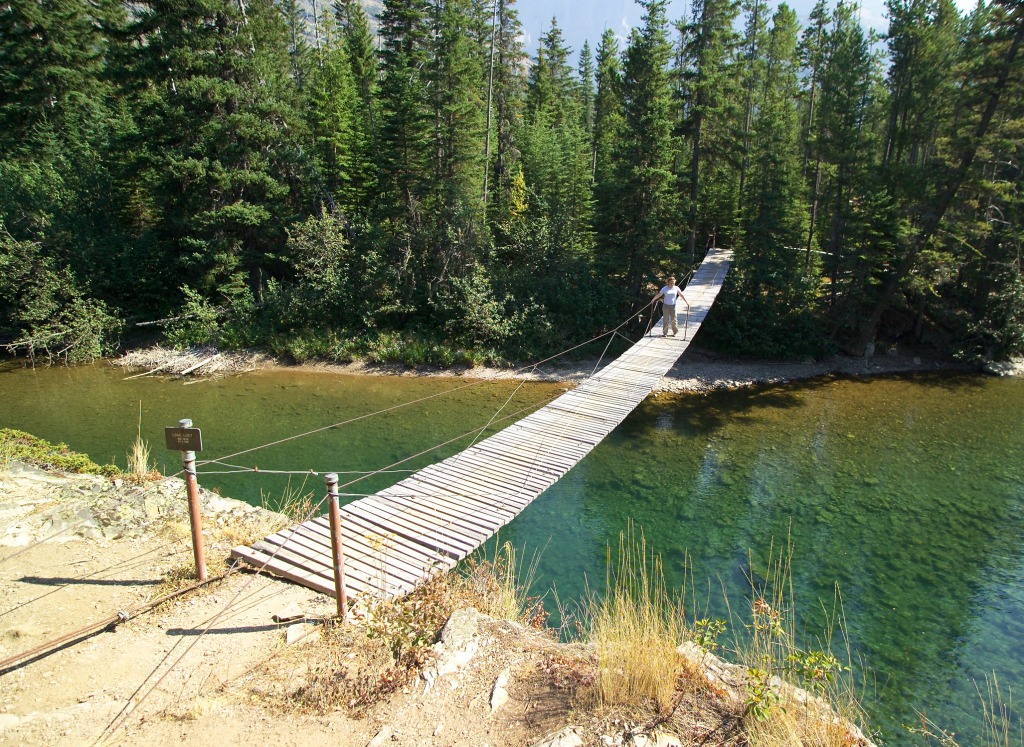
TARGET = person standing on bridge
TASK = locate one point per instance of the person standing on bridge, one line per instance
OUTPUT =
(668, 295)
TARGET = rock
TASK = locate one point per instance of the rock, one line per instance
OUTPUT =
(567, 737)
(499, 695)
(300, 633)
(1000, 368)
(661, 739)
(459, 641)
(640, 740)
(382, 736)
(8, 721)
(439, 729)
(288, 613)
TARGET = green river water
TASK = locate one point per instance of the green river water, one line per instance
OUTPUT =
(906, 492)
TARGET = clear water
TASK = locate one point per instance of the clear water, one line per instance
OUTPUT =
(907, 492)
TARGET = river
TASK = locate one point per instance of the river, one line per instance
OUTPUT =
(904, 493)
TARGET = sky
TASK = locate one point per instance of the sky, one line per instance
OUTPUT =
(587, 19)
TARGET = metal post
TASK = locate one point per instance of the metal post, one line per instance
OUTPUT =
(336, 551)
(188, 461)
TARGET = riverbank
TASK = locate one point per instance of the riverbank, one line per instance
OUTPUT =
(697, 371)
(254, 659)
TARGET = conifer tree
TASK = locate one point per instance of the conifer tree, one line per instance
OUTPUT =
(752, 75)
(708, 59)
(217, 147)
(556, 148)
(607, 111)
(645, 205)
(405, 133)
(336, 126)
(844, 145)
(772, 304)
(998, 30)
(508, 102)
(586, 76)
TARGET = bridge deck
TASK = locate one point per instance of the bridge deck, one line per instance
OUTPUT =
(396, 539)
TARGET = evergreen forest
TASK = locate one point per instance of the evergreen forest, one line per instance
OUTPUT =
(307, 180)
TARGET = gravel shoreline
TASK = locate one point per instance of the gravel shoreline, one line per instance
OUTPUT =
(697, 371)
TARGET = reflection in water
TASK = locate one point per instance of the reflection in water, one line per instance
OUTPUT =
(906, 492)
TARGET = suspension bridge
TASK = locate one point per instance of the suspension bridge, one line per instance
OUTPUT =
(399, 537)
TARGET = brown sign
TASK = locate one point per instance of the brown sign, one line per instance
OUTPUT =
(183, 439)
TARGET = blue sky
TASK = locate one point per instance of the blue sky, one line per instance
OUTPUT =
(587, 19)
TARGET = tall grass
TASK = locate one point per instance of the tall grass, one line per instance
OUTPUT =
(140, 468)
(999, 727)
(635, 627)
(776, 714)
(501, 586)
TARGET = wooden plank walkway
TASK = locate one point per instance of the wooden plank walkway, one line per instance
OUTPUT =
(396, 539)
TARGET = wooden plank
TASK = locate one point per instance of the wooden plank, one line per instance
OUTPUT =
(502, 490)
(364, 562)
(436, 537)
(314, 559)
(415, 555)
(283, 569)
(459, 502)
(303, 564)
(420, 504)
(354, 544)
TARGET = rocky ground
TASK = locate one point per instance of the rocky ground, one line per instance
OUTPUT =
(251, 659)
(697, 371)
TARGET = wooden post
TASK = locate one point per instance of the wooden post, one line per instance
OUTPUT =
(188, 461)
(336, 551)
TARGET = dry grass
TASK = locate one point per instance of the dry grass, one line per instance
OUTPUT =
(636, 627)
(6, 456)
(501, 586)
(776, 714)
(140, 468)
(388, 642)
(999, 726)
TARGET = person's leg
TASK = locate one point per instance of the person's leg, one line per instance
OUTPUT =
(668, 316)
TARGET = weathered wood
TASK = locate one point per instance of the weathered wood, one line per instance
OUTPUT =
(427, 522)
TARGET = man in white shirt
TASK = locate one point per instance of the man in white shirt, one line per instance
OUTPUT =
(668, 296)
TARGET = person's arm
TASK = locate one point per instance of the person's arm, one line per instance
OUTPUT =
(657, 295)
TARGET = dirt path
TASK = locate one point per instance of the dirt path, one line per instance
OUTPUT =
(212, 667)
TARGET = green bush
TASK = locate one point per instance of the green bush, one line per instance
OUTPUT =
(27, 448)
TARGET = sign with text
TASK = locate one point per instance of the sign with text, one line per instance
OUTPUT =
(183, 439)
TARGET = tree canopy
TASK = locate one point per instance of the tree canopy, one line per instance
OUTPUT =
(270, 174)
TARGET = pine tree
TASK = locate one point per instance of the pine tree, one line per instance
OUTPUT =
(218, 136)
(58, 246)
(709, 82)
(508, 101)
(607, 111)
(752, 75)
(455, 75)
(556, 148)
(405, 132)
(842, 135)
(992, 74)
(646, 199)
(586, 76)
(772, 304)
(336, 127)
